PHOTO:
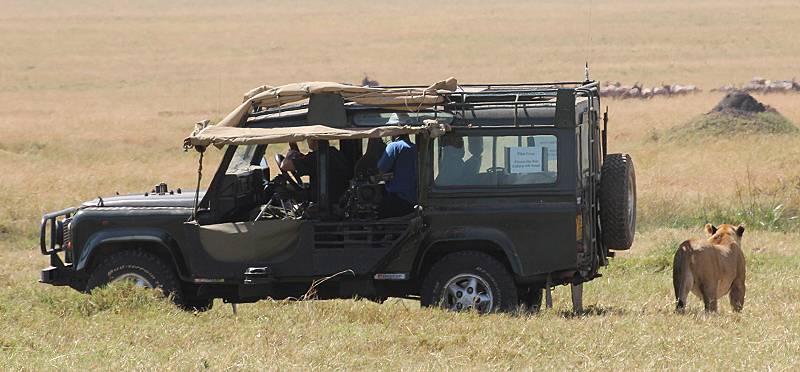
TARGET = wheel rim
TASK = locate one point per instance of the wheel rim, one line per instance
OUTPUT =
(468, 291)
(136, 279)
(631, 202)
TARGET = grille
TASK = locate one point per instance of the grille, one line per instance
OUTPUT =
(67, 234)
(66, 245)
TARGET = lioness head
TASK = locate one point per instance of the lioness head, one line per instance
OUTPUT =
(725, 230)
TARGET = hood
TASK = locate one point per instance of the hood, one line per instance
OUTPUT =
(184, 199)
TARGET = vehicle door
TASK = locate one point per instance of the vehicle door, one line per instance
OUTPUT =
(512, 187)
(226, 240)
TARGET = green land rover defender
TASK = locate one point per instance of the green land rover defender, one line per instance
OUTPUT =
(515, 193)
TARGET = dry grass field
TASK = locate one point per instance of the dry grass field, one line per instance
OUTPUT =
(96, 97)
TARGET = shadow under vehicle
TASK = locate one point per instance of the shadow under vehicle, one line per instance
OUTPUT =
(515, 194)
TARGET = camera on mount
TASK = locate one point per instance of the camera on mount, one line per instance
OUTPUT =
(364, 196)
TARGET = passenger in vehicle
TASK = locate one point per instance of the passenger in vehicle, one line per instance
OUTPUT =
(367, 165)
(399, 158)
(339, 172)
(451, 160)
(472, 166)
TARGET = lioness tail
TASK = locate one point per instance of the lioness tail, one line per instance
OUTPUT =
(680, 268)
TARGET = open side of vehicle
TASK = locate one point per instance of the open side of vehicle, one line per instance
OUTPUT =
(512, 196)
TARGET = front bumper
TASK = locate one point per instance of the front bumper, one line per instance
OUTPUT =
(54, 238)
(58, 275)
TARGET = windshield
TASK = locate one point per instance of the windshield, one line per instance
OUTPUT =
(242, 159)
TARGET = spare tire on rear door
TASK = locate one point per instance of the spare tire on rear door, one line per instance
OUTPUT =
(618, 201)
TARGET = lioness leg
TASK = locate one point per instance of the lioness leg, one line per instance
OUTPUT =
(737, 294)
(709, 292)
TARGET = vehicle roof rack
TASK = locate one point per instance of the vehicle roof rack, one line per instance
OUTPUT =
(514, 96)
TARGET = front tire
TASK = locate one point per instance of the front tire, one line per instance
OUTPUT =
(469, 280)
(142, 268)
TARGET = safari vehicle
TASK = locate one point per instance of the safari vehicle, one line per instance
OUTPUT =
(515, 194)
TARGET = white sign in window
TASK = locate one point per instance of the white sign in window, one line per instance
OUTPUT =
(548, 142)
(525, 159)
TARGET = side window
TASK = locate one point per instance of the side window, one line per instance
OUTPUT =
(495, 160)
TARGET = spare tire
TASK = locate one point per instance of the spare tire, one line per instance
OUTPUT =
(617, 201)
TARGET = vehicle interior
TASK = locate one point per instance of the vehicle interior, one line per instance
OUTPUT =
(345, 185)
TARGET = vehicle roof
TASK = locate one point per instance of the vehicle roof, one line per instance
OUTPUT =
(331, 110)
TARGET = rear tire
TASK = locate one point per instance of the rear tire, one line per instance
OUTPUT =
(469, 280)
(618, 201)
(144, 269)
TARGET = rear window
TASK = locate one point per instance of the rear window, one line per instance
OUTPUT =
(495, 160)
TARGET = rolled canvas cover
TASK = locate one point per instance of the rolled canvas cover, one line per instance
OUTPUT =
(399, 98)
(249, 241)
(220, 136)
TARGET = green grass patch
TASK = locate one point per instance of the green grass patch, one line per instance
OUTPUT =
(771, 207)
(659, 259)
(758, 216)
(729, 123)
(656, 260)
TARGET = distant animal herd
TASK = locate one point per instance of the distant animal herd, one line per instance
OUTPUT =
(755, 85)
(615, 89)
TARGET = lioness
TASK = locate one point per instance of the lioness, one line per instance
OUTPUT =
(711, 268)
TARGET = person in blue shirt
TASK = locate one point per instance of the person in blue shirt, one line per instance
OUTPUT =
(399, 158)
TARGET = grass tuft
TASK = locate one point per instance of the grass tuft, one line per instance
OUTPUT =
(116, 298)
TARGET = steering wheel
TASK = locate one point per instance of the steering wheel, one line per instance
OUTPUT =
(291, 177)
(495, 170)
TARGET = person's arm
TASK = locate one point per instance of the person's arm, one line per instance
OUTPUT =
(287, 165)
(304, 165)
(387, 160)
(296, 161)
(288, 162)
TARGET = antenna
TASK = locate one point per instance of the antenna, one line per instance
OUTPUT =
(219, 93)
(590, 46)
(586, 71)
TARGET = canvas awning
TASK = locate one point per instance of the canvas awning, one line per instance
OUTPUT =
(220, 136)
(411, 99)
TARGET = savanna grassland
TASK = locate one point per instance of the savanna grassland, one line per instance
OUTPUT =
(96, 97)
